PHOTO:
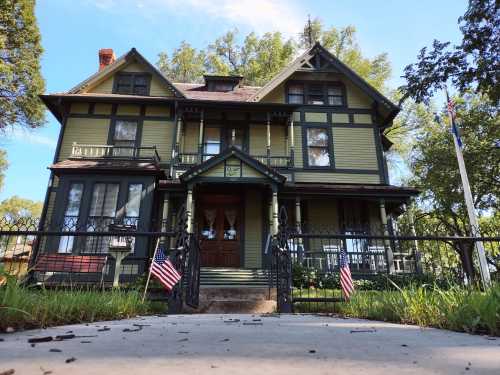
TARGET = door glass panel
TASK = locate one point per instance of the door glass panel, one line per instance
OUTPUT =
(208, 230)
(71, 217)
(211, 142)
(230, 217)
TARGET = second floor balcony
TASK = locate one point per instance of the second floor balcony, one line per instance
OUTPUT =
(110, 152)
(194, 158)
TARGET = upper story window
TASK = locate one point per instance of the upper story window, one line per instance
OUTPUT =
(318, 147)
(296, 94)
(124, 137)
(211, 142)
(315, 93)
(132, 83)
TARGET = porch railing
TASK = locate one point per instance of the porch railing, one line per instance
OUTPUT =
(88, 151)
(192, 158)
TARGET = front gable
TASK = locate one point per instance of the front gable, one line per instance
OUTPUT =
(318, 66)
(233, 165)
(104, 81)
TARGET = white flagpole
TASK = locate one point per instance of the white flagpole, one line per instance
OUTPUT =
(149, 274)
(483, 264)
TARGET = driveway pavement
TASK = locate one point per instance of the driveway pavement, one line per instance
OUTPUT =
(247, 344)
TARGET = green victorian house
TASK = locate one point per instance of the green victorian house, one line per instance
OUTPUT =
(135, 147)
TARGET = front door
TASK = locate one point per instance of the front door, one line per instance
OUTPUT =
(219, 226)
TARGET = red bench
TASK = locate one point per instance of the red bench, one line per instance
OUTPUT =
(71, 264)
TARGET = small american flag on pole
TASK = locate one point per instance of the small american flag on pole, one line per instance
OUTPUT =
(345, 276)
(164, 270)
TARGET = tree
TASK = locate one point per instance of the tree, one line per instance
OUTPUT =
(343, 45)
(259, 58)
(186, 65)
(472, 65)
(15, 208)
(20, 78)
(435, 170)
(3, 167)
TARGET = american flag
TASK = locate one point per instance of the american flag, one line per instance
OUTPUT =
(454, 127)
(164, 270)
(345, 276)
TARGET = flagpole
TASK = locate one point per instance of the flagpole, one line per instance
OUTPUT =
(483, 264)
(149, 274)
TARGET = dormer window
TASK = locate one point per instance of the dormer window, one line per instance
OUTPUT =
(132, 83)
(222, 83)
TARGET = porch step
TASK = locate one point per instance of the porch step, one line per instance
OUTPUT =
(236, 300)
(233, 277)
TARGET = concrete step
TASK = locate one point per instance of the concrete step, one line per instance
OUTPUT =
(233, 277)
(238, 306)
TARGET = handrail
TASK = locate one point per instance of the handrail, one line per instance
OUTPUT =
(93, 151)
(190, 158)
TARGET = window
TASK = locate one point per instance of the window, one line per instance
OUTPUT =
(124, 138)
(236, 137)
(132, 83)
(71, 214)
(318, 150)
(102, 213)
(211, 142)
(296, 94)
(315, 95)
(335, 96)
(133, 206)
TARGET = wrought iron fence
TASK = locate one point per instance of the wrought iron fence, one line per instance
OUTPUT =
(308, 264)
(71, 253)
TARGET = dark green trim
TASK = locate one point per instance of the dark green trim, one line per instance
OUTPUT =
(384, 177)
(142, 117)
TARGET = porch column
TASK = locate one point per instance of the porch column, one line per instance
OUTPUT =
(268, 143)
(164, 216)
(200, 137)
(387, 243)
(298, 215)
(189, 208)
(274, 210)
(292, 143)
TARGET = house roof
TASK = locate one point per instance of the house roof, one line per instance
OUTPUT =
(77, 165)
(132, 55)
(199, 91)
(196, 170)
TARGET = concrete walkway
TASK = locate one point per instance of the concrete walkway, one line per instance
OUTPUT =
(246, 344)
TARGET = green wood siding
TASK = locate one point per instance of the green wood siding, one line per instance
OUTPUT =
(278, 141)
(297, 132)
(128, 110)
(190, 137)
(253, 229)
(216, 171)
(83, 131)
(362, 119)
(102, 109)
(79, 108)
(315, 117)
(355, 178)
(323, 214)
(249, 172)
(158, 110)
(355, 148)
(159, 134)
(257, 141)
(340, 118)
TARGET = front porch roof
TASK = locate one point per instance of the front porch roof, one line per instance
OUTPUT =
(381, 191)
(106, 166)
(196, 171)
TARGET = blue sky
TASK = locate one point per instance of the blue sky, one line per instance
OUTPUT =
(74, 30)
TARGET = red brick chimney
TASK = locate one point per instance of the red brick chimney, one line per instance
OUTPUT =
(106, 57)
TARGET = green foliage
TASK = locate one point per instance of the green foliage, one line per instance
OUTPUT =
(3, 166)
(16, 207)
(259, 58)
(24, 307)
(343, 45)
(474, 64)
(455, 308)
(20, 78)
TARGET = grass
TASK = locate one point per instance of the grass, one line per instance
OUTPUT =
(25, 307)
(455, 308)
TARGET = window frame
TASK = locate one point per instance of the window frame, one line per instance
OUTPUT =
(73, 243)
(133, 85)
(324, 85)
(288, 94)
(329, 147)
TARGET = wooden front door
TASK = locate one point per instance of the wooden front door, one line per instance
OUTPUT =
(219, 226)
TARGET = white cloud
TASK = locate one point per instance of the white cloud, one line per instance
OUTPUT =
(26, 136)
(258, 15)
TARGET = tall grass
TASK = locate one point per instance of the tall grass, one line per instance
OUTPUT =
(25, 307)
(456, 308)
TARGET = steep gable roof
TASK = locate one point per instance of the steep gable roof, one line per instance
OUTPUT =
(130, 56)
(317, 58)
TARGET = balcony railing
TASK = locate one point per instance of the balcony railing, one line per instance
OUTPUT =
(85, 151)
(272, 161)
